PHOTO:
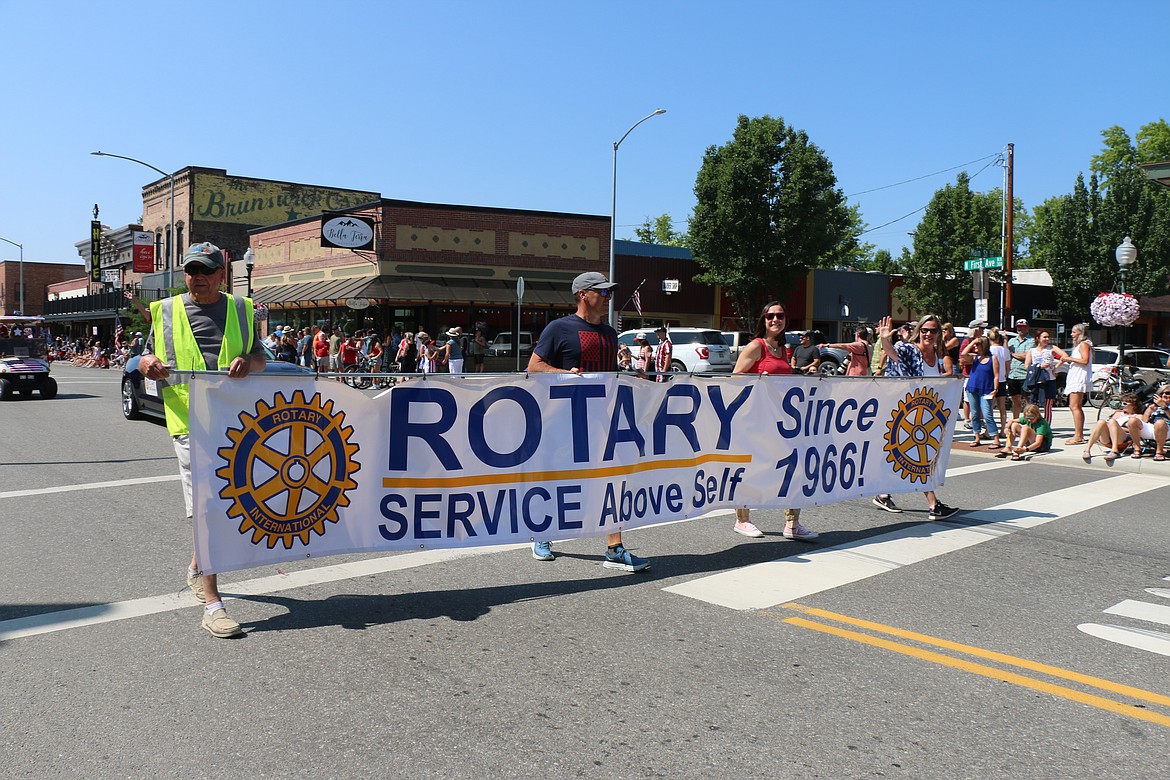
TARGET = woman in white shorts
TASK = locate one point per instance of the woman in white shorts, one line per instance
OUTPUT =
(1076, 382)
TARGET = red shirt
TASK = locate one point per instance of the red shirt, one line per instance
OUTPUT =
(349, 354)
(771, 364)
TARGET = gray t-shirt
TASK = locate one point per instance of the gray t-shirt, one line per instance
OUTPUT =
(208, 323)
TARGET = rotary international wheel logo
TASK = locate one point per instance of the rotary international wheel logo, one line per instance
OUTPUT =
(288, 469)
(914, 434)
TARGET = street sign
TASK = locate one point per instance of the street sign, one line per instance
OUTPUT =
(980, 263)
(980, 252)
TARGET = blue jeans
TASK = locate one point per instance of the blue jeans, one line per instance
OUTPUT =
(982, 414)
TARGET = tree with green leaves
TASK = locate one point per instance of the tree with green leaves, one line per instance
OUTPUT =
(767, 208)
(850, 253)
(660, 231)
(956, 220)
(1076, 234)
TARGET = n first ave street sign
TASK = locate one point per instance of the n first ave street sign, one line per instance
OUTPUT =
(979, 263)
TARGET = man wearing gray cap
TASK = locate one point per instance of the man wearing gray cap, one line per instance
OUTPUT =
(584, 343)
(199, 330)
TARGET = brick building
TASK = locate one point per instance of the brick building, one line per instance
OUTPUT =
(432, 265)
(37, 278)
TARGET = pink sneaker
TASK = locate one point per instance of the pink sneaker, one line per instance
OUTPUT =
(800, 533)
(748, 529)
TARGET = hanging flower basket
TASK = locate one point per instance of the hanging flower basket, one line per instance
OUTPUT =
(1111, 309)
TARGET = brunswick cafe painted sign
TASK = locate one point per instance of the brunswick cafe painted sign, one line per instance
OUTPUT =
(347, 232)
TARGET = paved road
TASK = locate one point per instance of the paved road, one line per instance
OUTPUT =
(1028, 638)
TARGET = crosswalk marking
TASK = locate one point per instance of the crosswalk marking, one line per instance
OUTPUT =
(1140, 638)
(794, 578)
(150, 605)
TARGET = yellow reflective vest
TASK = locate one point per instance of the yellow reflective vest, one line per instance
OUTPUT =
(175, 344)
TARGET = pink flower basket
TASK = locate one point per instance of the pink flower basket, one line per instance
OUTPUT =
(1111, 309)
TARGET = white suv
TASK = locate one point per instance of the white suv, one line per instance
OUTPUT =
(697, 350)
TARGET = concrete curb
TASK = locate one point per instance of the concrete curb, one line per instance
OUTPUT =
(1065, 455)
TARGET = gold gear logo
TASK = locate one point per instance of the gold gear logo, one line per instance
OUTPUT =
(288, 469)
(914, 434)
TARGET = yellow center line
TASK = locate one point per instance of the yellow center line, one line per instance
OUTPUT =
(990, 655)
(1117, 707)
(560, 476)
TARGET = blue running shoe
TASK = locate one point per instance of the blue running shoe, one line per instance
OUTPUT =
(542, 551)
(621, 558)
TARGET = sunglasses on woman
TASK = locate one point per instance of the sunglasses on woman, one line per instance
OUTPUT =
(928, 330)
(774, 315)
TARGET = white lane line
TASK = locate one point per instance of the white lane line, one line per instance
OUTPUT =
(150, 605)
(776, 582)
(1163, 592)
(1141, 610)
(1139, 638)
(89, 486)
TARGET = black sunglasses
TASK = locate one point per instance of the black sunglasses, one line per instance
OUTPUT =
(198, 269)
(928, 330)
(775, 316)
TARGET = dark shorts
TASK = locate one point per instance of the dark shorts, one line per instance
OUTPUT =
(1015, 387)
(477, 360)
(1002, 392)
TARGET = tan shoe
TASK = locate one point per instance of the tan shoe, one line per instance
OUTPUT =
(196, 585)
(219, 624)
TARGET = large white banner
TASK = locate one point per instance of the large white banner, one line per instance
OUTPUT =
(289, 468)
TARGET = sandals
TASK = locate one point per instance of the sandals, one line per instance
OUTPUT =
(1003, 454)
(1087, 456)
(1016, 456)
(1111, 456)
(1160, 457)
(1074, 441)
(1137, 455)
(994, 447)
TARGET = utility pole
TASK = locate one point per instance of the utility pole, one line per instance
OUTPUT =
(1009, 317)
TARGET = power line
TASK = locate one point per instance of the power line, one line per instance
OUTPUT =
(927, 176)
(997, 157)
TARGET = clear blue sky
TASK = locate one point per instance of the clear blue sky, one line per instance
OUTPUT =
(517, 104)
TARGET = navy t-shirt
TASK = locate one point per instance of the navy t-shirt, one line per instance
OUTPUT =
(571, 342)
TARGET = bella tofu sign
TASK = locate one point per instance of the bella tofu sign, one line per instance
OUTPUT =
(347, 232)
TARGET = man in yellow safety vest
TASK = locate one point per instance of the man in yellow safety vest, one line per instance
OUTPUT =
(202, 329)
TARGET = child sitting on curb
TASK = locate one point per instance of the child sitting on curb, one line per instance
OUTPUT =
(1032, 433)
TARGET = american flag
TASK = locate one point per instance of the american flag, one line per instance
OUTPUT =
(638, 302)
(118, 329)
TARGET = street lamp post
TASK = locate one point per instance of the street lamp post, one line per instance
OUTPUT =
(613, 206)
(21, 248)
(1126, 255)
(173, 249)
(249, 264)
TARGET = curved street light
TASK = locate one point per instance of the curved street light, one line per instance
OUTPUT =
(21, 248)
(613, 205)
(173, 249)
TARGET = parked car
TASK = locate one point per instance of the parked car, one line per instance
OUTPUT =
(141, 397)
(696, 350)
(23, 369)
(833, 361)
(736, 340)
(501, 345)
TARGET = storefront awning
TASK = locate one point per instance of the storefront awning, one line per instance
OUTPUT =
(414, 289)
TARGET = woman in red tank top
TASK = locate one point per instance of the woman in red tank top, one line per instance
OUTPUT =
(767, 354)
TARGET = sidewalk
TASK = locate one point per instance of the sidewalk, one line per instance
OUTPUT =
(1067, 455)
